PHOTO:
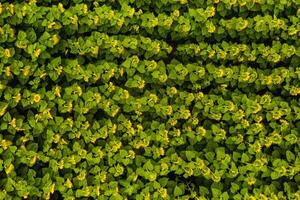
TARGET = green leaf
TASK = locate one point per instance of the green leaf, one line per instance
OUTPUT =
(234, 187)
(178, 191)
(210, 156)
(220, 153)
(290, 156)
(245, 158)
(163, 181)
(148, 166)
(190, 155)
(275, 175)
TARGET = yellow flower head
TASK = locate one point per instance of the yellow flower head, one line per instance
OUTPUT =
(7, 53)
(10, 168)
(68, 183)
(176, 13)
(36, 98)
(55, 39)
(8, 71)
(61, 7)
(37, 52)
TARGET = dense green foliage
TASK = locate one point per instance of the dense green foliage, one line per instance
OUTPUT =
(150, 99)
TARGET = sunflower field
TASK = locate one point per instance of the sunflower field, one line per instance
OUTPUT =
(150, 99)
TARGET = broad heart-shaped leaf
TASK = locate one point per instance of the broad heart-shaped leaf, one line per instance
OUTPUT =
(46, 180)
(190, 155)
(210, 156)
(275, 175)
(6, 117)
(234, 187)
(290, 156)
(220, 153)
(216, 192)
(163, 181)
(9, 186)
(21, 35)
(245, 158)
(224, 196)
(178, 191)
(148, 166)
